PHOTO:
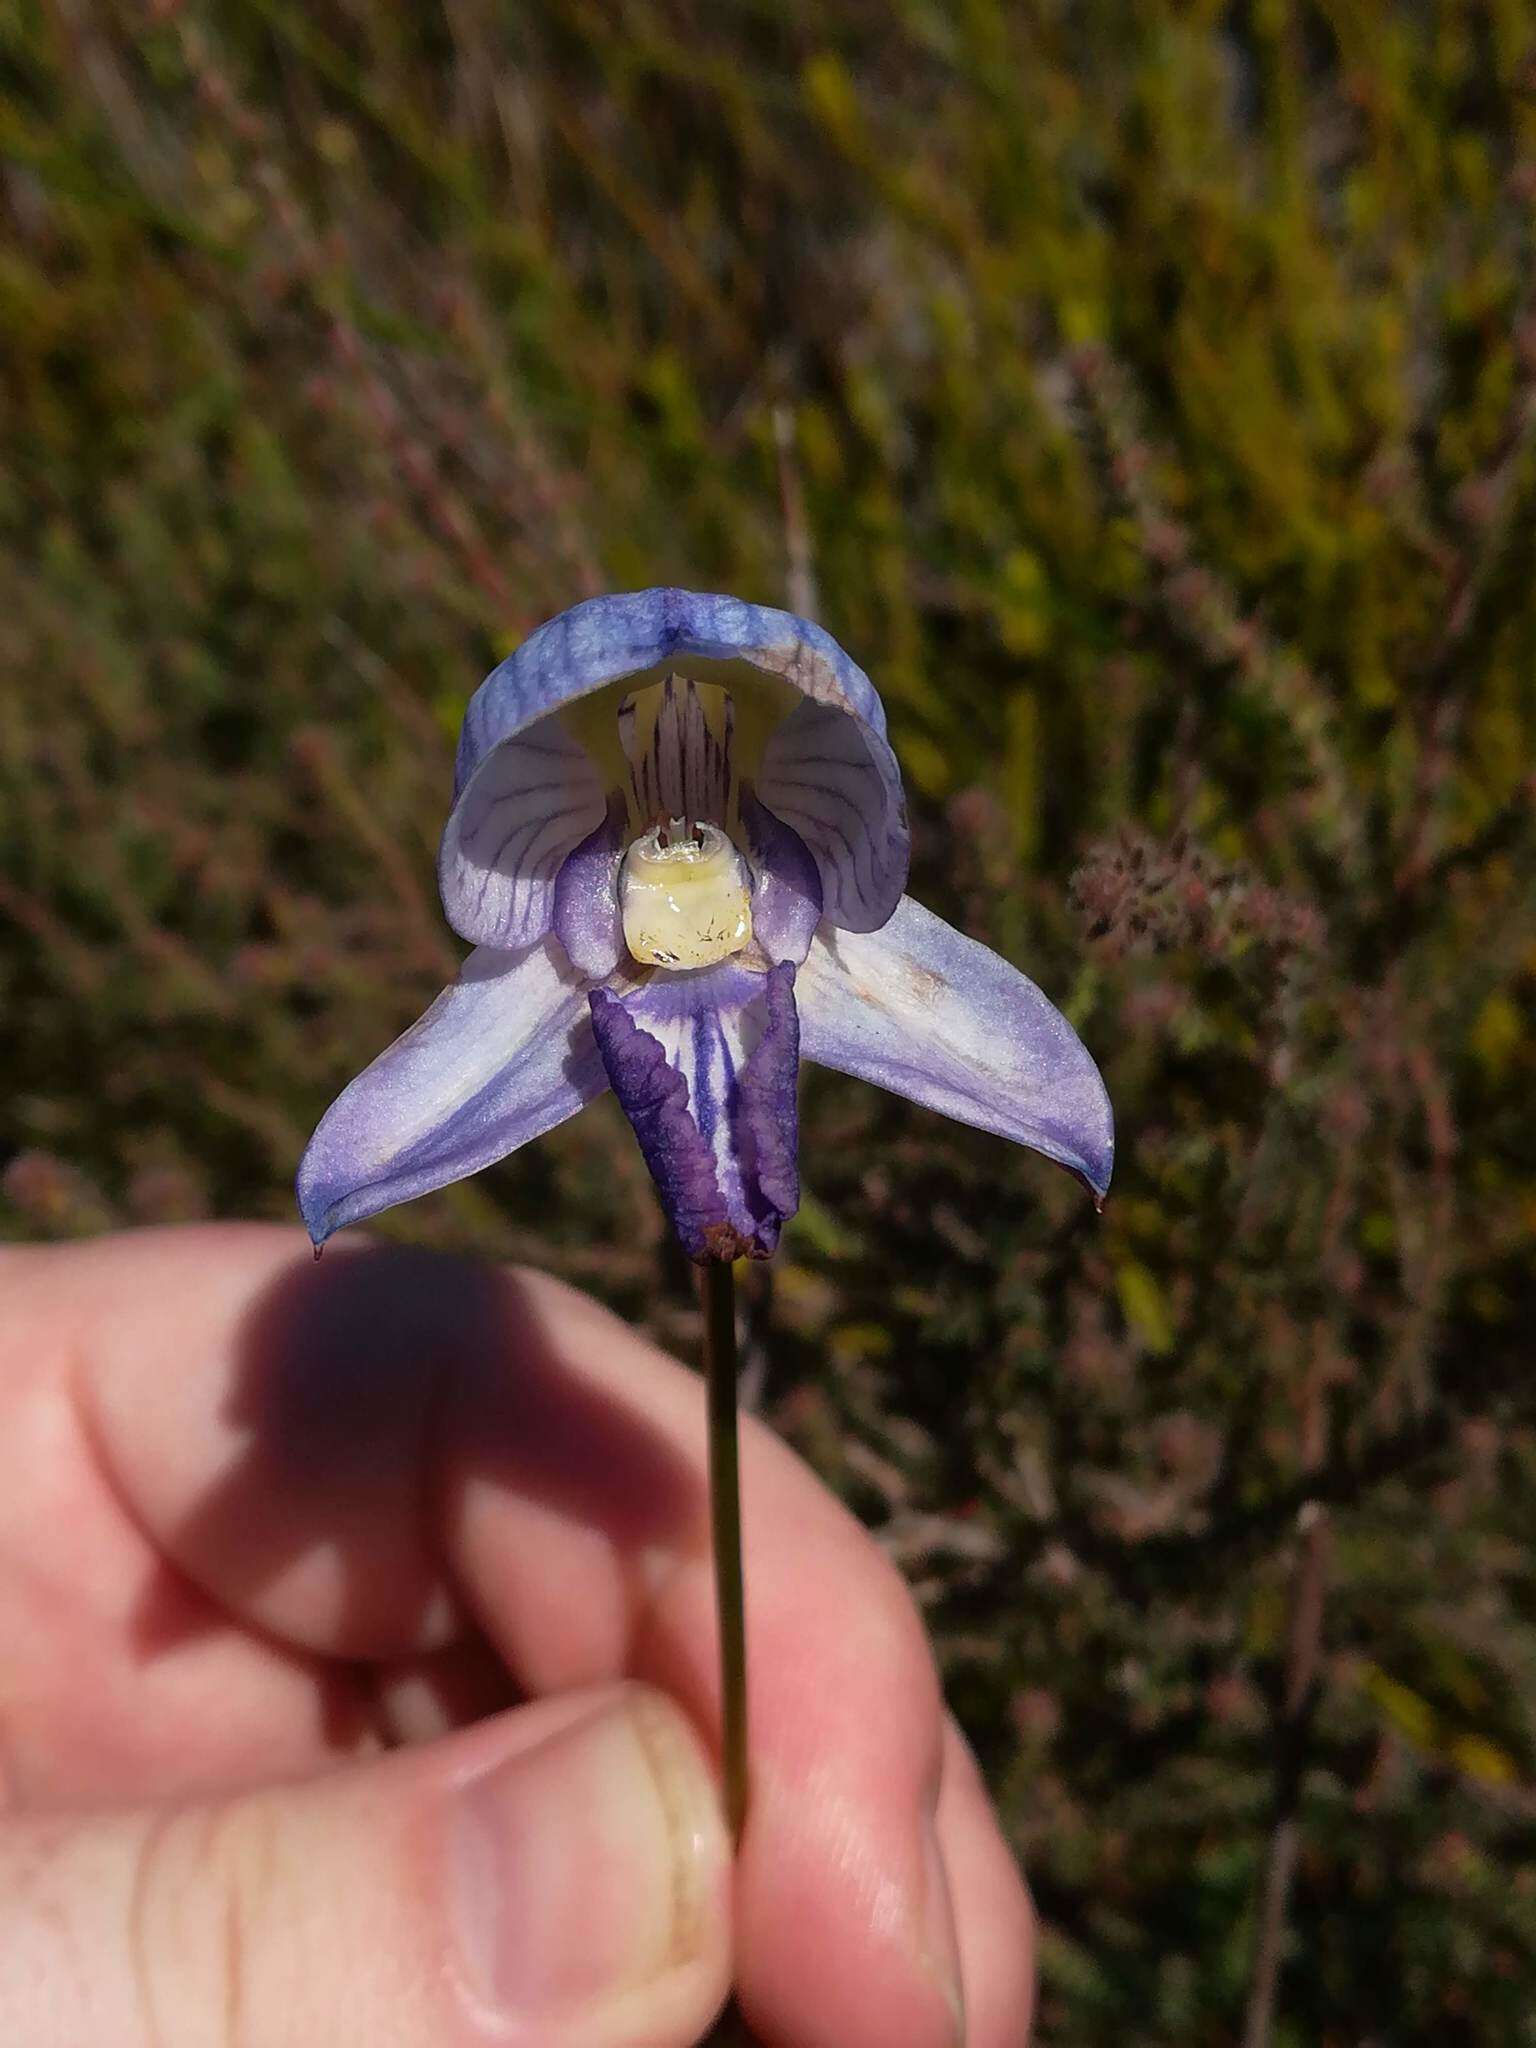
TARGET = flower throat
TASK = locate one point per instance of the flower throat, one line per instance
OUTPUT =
(685, 890)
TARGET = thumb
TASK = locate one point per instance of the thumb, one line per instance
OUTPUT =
(557, 1875)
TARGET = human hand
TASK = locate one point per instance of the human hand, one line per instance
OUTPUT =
(357, 1677)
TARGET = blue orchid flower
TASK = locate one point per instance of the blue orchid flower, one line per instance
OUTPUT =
(679, 847)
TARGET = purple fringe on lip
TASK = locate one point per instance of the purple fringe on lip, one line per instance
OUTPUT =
(766, 1115)
(737, 1213)
(654, 1096)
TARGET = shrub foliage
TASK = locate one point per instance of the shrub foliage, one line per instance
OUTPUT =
(1147, 394)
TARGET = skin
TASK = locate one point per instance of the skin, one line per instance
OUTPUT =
(291, 1555)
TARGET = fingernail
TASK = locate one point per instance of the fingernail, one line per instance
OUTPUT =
(582, 1868)
(941, 1951)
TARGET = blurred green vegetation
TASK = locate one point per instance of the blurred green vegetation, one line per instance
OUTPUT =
(1147, 390)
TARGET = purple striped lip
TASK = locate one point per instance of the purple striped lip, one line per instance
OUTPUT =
(705, 1067)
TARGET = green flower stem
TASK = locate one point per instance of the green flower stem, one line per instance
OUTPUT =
(719, 1288)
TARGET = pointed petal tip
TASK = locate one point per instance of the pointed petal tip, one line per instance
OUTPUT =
(502, 1056)
(1090, 1164)
(1098, 1149)
(1095, 1164)
(927, 1012)
(314, 1208)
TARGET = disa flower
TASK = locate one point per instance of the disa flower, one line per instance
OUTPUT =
(679, 847)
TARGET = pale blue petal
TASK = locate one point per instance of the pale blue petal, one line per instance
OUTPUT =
(820, 778)
(926, 1012)
(535, 800)
(587, 919)
(786, 884)
(502, 1056)
(862, 849)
